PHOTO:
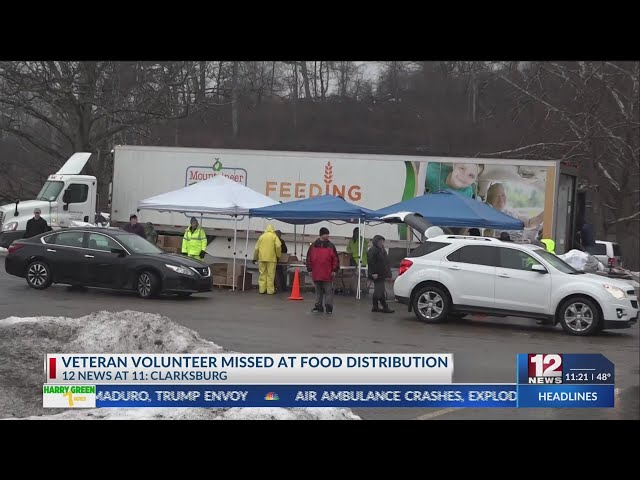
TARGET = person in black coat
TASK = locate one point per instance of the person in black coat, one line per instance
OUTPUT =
(36, 225)
(281, 270)
(379, 271)
(134, 227)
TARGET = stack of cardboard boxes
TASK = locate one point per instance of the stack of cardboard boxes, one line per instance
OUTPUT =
(170, 243)
(222, 275)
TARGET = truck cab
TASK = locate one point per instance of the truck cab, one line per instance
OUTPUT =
(66, 196)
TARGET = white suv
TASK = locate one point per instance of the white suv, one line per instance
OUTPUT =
(457, 275)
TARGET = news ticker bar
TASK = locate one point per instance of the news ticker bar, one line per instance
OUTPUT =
(248, 369)
(389, 396)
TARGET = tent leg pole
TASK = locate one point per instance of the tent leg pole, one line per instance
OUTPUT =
(358, 296)
(235, 238)
(246, 247)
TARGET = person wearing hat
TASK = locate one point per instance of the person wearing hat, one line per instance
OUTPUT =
(379, 271)
(36, 225)
(281, 270)
(322, 265)
(150, 233)
(549, 244)
(194, 242)
(267, 252)
(134, 227)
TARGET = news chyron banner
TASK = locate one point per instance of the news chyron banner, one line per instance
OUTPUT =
(303, 380)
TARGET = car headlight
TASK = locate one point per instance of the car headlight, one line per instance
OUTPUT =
(616, 292)
(10, 227)
(179, 269)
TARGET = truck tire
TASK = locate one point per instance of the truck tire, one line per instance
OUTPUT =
(431, 304)
(147, 284)
(580, 316)
(39, 275)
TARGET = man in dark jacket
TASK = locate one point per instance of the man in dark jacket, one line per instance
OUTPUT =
(379, 271)
(36, 225)
(322, 264)
(134, 227)
(281, 270)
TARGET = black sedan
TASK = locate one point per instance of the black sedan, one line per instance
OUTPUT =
(105, 258)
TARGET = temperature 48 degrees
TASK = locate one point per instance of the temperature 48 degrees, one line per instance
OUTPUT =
(603, 376)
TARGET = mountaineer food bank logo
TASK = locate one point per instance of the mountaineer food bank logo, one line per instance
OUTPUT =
(199, 174)
(309, 190)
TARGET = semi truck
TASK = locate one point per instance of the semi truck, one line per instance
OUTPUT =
(540, 192)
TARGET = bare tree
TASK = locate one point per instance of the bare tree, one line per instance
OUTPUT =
(593, 108)
(234, 100)
(63, 107)
(305, 80)
(345, 74)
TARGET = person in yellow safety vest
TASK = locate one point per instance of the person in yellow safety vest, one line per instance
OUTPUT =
(267, 252)
(194, 242)
(549, 244)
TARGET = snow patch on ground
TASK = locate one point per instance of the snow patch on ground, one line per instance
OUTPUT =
(25, 341)
(202, 414)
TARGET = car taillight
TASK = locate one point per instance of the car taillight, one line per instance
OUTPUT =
(612, 262)
(404, 266)
(14, 247)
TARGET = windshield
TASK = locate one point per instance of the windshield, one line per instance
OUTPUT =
(556, 262)
(138, 245)
(50, 191)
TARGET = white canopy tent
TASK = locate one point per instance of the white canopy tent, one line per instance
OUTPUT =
(218, 195)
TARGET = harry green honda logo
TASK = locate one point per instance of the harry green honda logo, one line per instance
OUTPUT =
(217, 166)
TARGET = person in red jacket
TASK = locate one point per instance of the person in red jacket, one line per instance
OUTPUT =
(322, 265)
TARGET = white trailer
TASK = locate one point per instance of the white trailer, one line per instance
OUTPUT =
(372, 181)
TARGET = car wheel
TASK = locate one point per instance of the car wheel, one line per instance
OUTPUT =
(39, 275)
(580, 316)
(184, 294)
(147, 284)
(431, 304)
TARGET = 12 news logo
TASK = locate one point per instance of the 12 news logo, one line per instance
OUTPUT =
(545, 368)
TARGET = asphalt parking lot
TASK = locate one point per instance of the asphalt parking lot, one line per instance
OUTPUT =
(484, 348)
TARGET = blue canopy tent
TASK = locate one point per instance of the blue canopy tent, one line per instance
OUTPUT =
(314, 210)
(450, 209)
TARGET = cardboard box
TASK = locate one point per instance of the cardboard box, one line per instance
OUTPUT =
(248, 278)
(161, 241)
(239, 271)
(219, 269)
(171, 250)
(292, 259)
(172, 241)
(217, 280)
(344, 259)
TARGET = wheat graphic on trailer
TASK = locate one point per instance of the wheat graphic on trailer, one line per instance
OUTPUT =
(328, 176)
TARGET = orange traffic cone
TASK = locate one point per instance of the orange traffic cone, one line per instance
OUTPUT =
(295, 291)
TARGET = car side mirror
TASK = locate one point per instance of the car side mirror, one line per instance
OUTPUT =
(539, 268)
(120, 252)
